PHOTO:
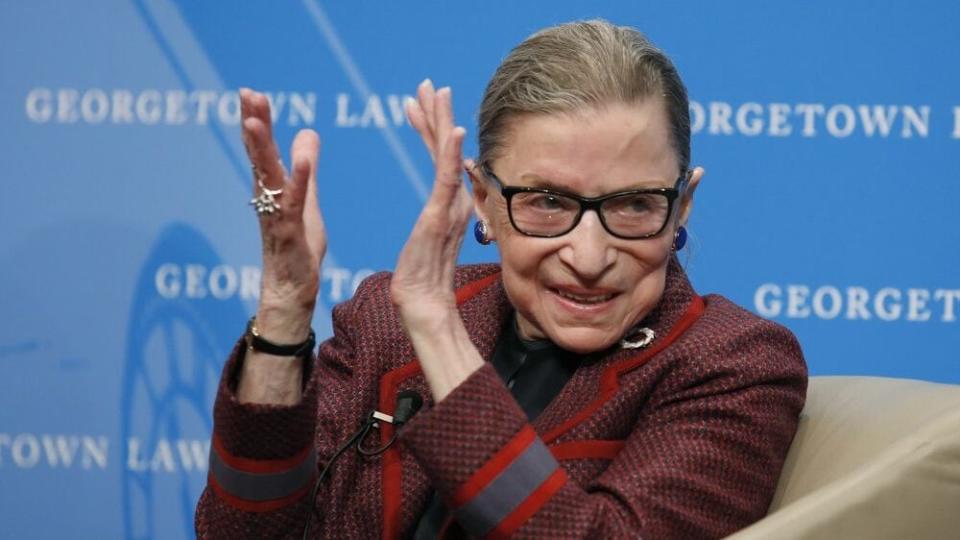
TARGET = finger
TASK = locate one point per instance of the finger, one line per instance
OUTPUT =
(304, 154)
(426, 96)
(258, 139)
(449, 176)
(443, 114)
(418, 120)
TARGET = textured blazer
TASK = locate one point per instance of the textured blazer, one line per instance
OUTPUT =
(682, 439)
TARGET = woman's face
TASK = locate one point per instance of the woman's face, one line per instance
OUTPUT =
(586, 289)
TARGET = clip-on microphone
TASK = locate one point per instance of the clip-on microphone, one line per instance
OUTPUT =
(408, 403)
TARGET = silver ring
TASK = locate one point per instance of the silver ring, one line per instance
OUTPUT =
(266, 202)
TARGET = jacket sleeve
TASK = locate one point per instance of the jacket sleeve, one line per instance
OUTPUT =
(263, 458)
(702, 460)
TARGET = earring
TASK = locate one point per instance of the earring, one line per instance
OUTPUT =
(480, 232)
(680, 238)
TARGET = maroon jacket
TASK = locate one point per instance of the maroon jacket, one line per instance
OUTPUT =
(682, 439)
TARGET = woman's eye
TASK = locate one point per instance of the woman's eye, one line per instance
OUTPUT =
(639, 205)
(547, 202)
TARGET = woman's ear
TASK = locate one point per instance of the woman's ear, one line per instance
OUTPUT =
(686, 202)
(481, 189)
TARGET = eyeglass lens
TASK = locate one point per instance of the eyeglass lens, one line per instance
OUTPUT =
(632, 215)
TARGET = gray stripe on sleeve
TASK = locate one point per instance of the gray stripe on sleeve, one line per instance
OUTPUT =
(262, 486)
(510, 488)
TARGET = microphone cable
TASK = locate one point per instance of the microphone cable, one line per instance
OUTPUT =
(408, 403)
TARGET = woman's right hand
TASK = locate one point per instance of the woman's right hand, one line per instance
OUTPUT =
(294, 242)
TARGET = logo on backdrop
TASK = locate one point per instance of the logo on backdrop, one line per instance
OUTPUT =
(149, 107)
(174, 107)
(854, 303)
(223, 282)
(835, 120)
(176, 346)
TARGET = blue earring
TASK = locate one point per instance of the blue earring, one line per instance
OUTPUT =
(680, 238)
(480, 233)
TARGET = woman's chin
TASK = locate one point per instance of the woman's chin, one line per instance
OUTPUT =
(584, 340)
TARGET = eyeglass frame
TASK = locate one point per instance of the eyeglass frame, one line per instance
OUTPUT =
(590, 203)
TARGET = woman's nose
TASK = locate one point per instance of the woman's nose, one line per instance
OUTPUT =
(588, 250)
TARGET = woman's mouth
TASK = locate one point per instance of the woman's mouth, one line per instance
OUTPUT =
(585, 298)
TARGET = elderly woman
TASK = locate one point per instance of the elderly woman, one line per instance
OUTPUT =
(579, 389)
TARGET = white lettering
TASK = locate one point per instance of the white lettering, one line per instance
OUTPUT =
(4, 441)
(765, 307)
(94, 451)
(94, 106)
(344, 117)
(752, 126)
(195, 277)
(857, 298)
(25, 451)
(698, 118)
(228, 109)
(358, 278)
(204, 100)
(956, 122)
(40, 106)
(249, 282)
(60, 449)
(809, 111)
(176, 114)
(193, 454)
(849, 121)
(167, 280)
(912, 120)
(122, 106)
(797, 301)
(720, 118)
(149, 107)
(948, 297)
(880, 307)
(277, 103)
(162, 457)
(302, 111)
(836, 302)
(337, 277)
(397, 114)
(779, 126)
(856, 303)
(917, 305)
(373, 113)
(223, 282)
(877, 119)
(66, 105)
(135, 461)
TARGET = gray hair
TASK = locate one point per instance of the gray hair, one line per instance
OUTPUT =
(577, 65)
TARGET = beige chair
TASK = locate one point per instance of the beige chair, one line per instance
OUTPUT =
(873, 458)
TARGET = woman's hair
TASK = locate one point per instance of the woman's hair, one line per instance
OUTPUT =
(578, 65)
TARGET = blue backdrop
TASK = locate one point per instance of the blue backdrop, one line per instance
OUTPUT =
(129, 259)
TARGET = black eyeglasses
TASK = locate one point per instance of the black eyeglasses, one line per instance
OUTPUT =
(631, 215)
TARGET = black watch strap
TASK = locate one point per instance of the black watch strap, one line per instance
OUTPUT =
(259, 344)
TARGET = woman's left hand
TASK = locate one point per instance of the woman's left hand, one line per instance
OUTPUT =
(422, 287)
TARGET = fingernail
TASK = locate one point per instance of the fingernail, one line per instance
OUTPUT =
(409, 102)
(427, 83)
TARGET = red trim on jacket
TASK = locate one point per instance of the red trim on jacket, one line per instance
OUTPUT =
(260, 466)
(392, 474)
(610, 378)
(591, 449)
(258, 506)
(494, 466)
(530, 505)
(471, 289)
